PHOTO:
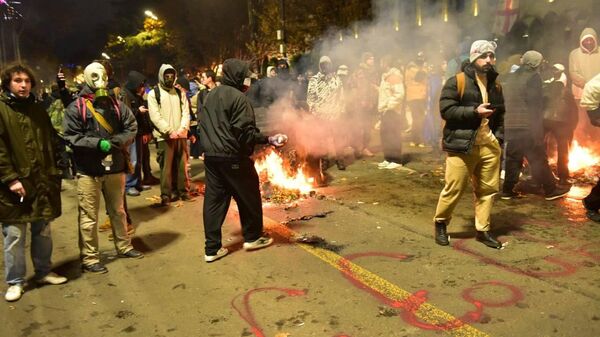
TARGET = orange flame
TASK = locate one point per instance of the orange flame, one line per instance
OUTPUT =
(276, 173)
(581, 157)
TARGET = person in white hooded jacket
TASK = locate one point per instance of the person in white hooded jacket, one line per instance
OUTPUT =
(584, 64)
(168, 112)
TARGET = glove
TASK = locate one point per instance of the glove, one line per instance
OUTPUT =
(278, 140)
(104, 145)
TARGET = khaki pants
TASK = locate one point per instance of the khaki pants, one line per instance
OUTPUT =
(112, 187)
(482, 166)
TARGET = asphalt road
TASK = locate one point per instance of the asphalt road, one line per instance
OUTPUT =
(362, 263)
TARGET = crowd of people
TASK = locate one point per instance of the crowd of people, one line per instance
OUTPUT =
(100, 136)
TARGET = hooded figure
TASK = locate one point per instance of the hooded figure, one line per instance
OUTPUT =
(228, 134)
(584, 62)
(325, 96)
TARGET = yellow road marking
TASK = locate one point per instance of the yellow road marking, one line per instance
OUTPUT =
(427, 313)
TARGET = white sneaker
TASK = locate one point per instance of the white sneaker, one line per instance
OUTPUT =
(14, 292)
(262, 242)
(393, 165)
(52, 278)
(383, 163)
(220, 253)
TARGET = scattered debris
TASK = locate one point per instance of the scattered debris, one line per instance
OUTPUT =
(549, 246)
(308, 217)
(387, 312)
(122, 314)
(360, 202)
(376, 203)
(319, 242)
(283, 334)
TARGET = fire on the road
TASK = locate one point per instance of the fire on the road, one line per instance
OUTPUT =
(272, 165)
(581, 157)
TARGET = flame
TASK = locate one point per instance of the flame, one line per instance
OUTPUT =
(581, 157)
(272, 164)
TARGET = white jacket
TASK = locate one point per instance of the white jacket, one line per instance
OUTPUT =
(590, 98)
(391, 91)
(173, 112)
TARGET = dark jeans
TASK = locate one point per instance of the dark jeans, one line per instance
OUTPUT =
(592, 201)
(563, 135)
(520, 145)
(391, 140)
(226, 179)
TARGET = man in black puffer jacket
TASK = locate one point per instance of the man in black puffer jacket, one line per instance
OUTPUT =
(472, 105)
(228, 134)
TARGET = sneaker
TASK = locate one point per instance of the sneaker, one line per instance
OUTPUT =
(96, 268)
(220, 253)
(132, 254)
(53, 279)
(510, 195)
(262, 242)
(559, 192)
(383, 164)
(105, 226)
(412, 144)
(146, 187)
(165, 200)
(421, 145)
(393, 165)
(367, 153)
(133, 192)
(14, 292)
(340, 165)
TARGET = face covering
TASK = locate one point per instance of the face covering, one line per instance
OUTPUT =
(96, 78)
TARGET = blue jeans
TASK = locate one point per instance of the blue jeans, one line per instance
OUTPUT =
(132, 179)
(14, 250)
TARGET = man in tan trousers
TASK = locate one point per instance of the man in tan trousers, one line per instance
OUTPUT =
(472, 105)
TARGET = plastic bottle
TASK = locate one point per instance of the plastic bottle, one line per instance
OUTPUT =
(107, 162)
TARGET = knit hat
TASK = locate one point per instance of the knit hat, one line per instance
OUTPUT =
(342, 70)
(532, 59)
(481, 47)
(324, 59)
(184, 83)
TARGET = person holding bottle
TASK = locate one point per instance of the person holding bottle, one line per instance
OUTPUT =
(99, 129)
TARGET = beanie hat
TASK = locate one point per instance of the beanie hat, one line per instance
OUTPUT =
(342, 70)
(184, 83)
(481, 47)
(532, 59)
(324, 59)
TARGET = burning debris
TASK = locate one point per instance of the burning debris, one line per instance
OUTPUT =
(319, 242)
(282, 181)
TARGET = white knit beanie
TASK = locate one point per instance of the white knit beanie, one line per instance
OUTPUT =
(481, 47)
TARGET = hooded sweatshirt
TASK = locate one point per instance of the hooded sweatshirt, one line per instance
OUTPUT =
(134, 101)
(325, 95)
(227, 124)
(584, 64)
(167, 116)
(590, 99)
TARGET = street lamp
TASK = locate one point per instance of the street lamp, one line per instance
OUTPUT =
(151, 15)
(105, 55)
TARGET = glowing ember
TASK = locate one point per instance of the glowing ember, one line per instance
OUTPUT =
(272, 164)
(581, 157)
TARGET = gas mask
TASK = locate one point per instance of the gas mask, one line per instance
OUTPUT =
(169, 79)
(96, 78)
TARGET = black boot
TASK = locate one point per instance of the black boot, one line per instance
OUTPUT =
(340, 165)
(487, 239)
(441, 236)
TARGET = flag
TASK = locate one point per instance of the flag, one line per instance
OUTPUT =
(507, 12)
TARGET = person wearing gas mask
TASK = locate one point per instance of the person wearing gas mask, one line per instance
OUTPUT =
(228, 134)
(100, 129)
(169, 113)
(29, 179)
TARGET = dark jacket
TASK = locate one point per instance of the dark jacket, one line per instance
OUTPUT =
(84, 133)
(559, 104)
(227, 123)
(29, 151)
(462, 122)
(524, 101)
(134, 101)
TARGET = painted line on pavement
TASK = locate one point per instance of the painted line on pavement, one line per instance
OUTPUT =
(426, 312)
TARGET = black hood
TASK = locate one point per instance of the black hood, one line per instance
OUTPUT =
(134, 80)
(235, 72)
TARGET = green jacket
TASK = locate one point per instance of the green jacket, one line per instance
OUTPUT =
(29, 152)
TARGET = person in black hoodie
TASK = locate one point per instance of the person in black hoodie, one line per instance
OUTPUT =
(133, 97)
(99, 130)
(228, 134)
(473, 132)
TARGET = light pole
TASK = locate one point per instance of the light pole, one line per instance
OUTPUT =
(151, 15)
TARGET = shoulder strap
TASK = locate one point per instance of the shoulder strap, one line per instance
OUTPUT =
(157, 94)
(460, 84)
(98, 117)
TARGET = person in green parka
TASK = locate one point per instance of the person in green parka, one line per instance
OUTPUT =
(30, 150)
